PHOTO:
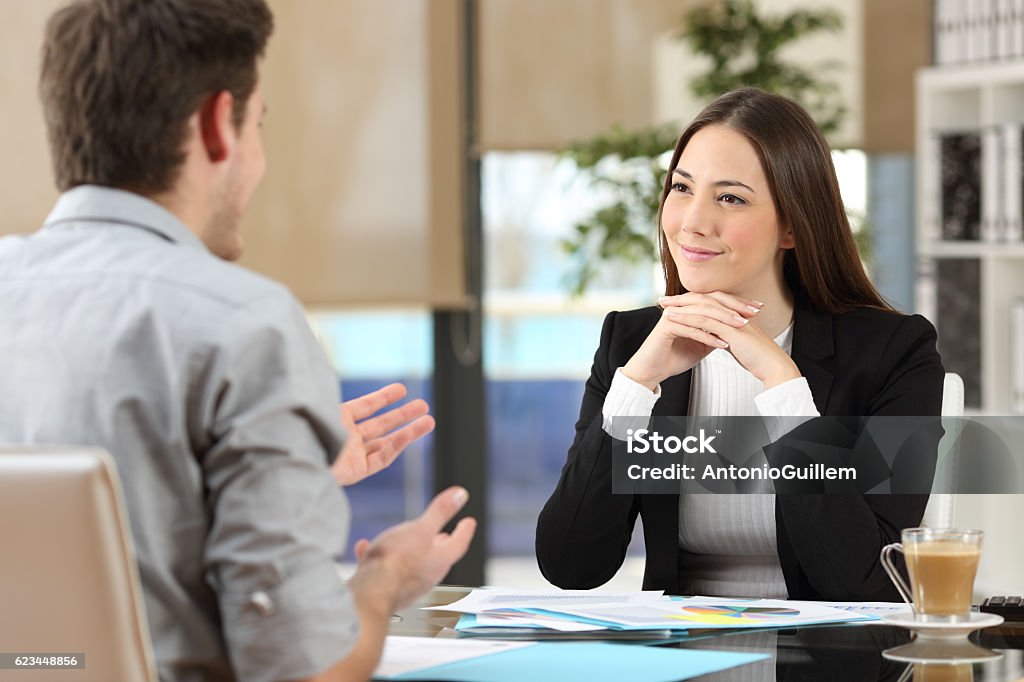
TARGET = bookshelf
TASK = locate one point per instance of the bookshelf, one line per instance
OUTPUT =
(968, 287)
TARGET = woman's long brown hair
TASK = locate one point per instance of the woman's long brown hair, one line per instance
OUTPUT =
(824, 265)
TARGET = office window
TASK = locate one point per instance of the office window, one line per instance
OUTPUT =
(539, 342)
(371, 349)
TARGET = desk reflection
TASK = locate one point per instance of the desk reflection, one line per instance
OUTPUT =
(833, 653)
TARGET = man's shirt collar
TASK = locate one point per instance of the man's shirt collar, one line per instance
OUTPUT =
(94, 203)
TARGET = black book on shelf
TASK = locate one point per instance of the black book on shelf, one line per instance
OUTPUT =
(958, 320)
(960, 185)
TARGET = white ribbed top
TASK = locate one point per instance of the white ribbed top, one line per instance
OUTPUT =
(727, 541)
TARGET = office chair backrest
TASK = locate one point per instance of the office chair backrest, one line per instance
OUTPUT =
(941, 507)
(68, 577)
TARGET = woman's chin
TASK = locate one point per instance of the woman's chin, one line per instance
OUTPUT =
(700, 286)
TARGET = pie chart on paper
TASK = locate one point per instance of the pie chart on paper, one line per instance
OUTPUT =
(737, 616)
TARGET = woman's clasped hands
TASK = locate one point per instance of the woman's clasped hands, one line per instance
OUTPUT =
(694, 324)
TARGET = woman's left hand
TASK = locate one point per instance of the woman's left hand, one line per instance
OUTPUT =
(752, 347)
(760, 355)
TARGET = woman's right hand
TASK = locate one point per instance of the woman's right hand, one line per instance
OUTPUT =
(685, 334)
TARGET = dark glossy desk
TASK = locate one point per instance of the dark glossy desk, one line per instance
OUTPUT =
(815, 654)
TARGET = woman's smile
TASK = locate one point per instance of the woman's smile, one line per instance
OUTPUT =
(696, 254)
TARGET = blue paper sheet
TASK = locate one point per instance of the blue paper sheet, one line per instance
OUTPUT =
(592, 661)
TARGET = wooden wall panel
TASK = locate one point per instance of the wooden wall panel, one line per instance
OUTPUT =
(897, 42)
(558, 71)
(27, 191)
(362, 200)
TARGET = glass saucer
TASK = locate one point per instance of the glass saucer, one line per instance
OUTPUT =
(932, 630)
(941, 651)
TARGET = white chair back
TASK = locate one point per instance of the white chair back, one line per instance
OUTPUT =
(69, 581)
(942, 506)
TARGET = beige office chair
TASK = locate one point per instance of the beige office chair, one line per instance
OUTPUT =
(68, 578)
(942, 506)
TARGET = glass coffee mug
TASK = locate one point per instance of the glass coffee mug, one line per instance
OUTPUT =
(942, 563)
(942, 672)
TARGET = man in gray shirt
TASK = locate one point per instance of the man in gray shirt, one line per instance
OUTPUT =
(125, 326)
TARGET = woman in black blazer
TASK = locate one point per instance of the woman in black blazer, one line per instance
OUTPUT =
(755, 245)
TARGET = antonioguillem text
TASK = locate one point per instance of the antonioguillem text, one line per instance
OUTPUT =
(788, 472)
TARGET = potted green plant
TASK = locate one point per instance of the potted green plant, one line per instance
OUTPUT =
(744, 49)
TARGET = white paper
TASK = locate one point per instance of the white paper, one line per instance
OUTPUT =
(877, 609)
(480, 601)
(492, 619)
(407, 654)
(870, 608)
(714, 612)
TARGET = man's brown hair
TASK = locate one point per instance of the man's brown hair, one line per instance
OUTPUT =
(121, 78)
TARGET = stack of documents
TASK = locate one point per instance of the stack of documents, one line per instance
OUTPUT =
(497, 611)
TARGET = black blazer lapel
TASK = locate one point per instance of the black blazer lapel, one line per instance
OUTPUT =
(660, 513)
(675, 396)
(813, 350)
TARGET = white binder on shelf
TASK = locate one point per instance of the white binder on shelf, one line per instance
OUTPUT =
(1017, 27)
(955, 44)
(1004, 29)
(1013, 182)
(1017, 357)
(938, 32)
(969, 21)
(926, 291)
(1003, 33)
(960, 42)
(941, 27)
(984, 30)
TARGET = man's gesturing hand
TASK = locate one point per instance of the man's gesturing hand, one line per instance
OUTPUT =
(414, 556)
(374, 442)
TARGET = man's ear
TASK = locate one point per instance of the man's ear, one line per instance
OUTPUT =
(216, 127)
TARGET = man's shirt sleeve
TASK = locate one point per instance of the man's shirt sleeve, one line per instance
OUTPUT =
(278, 521)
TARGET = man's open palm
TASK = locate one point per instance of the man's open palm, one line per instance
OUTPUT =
(375, 440)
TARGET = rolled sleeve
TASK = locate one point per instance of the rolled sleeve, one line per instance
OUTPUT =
(293, 630)
(279, 522)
